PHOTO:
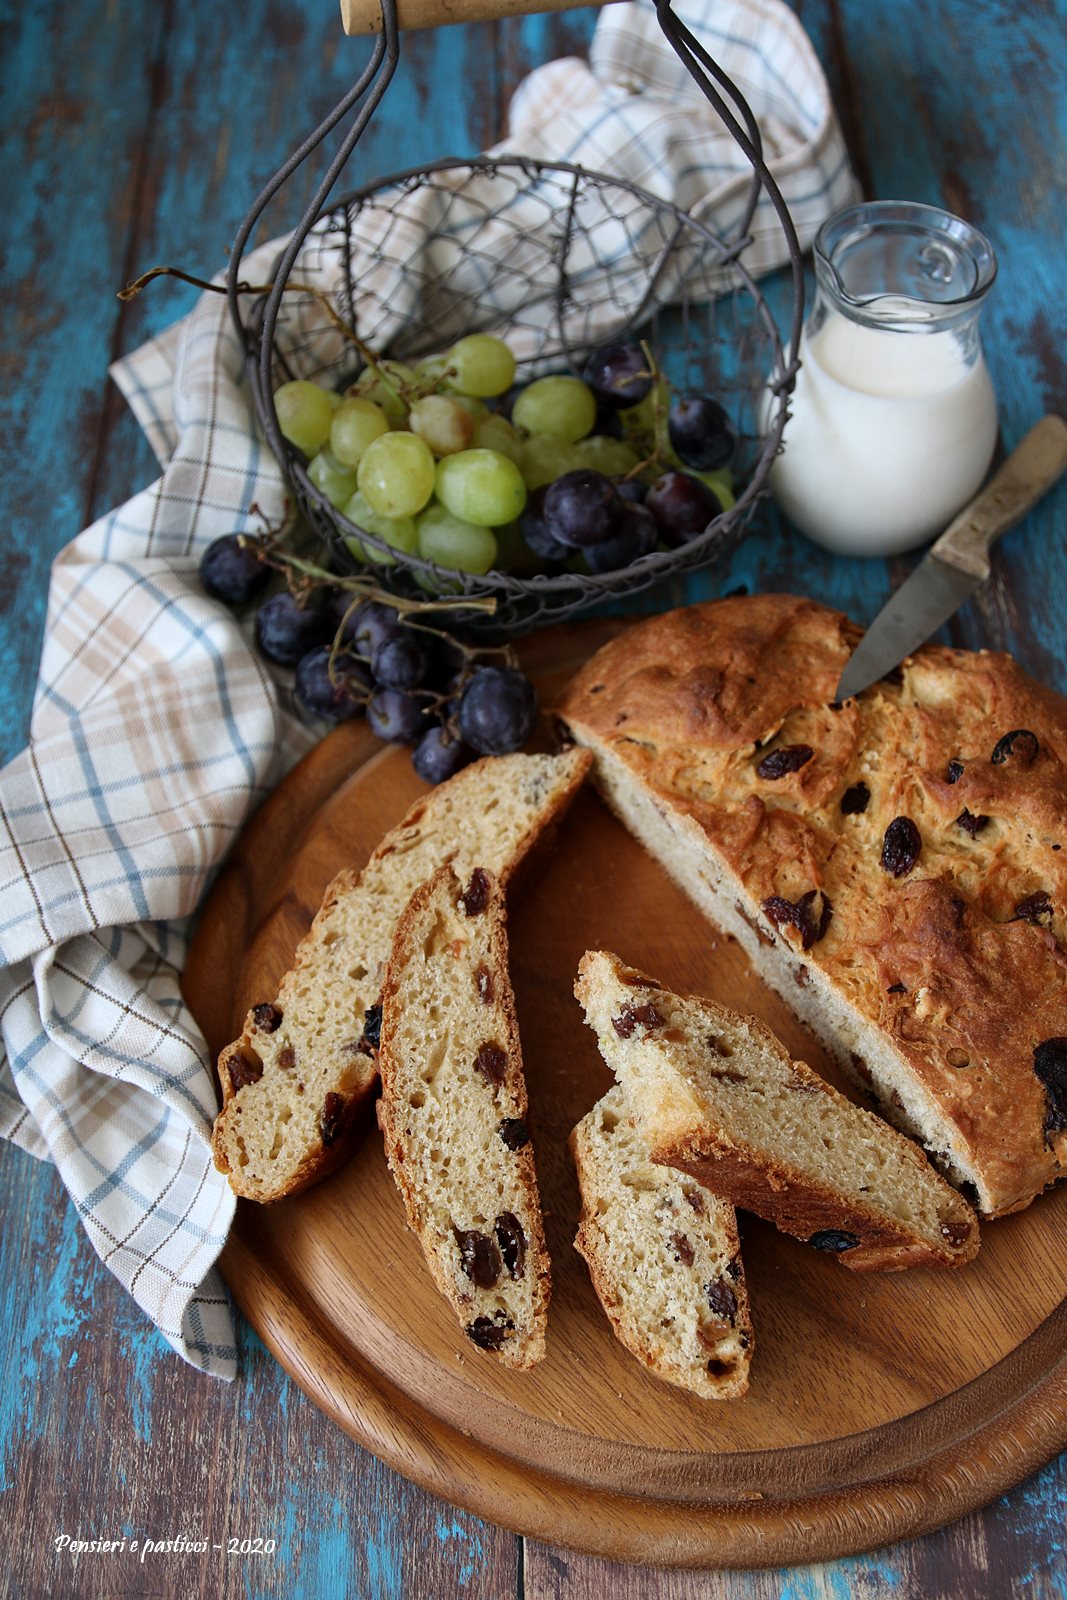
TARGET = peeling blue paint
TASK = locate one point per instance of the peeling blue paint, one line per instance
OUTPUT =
(450, 1531)
(144, 1357)
(1034, 1522)
(45, 1318)
(321, 1552)
(384, 1561)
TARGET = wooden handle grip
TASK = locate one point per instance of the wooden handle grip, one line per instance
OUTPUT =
(1036, 463)
(365, 16)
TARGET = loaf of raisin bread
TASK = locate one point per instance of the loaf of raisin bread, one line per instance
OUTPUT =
(892, 866)
(715, 1095)
(294, 1082)
(453, 1114)
(664, 1258)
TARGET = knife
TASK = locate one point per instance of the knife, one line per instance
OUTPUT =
(958, 562)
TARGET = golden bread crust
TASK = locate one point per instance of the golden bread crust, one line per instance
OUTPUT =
(670, 1061)
(958, 961)
(262, 1072)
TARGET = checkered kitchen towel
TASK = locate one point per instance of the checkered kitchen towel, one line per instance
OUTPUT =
(156, 729)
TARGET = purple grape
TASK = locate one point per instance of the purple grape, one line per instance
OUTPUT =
(701, 432)
(399, 662)
(444, 663)
(638, 536)
(370, 625)
(582, 508)
(286, 631)
(682, 505)
(608, 424)
(618, 375)
(231, 572)
(337, 700)
(342, 604)
(497, 711)
(631, 489)
(449, 657)
(534, 530)
(396, 717)
(440, 755)
(448, 710)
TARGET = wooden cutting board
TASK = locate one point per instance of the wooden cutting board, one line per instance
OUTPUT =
(880, 1407)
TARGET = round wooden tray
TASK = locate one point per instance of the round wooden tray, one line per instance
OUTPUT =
(880, 1407)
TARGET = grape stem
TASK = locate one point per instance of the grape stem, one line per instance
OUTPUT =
(504, 650)
(435, 703)
(362, 588)
(311, 577)
(659, 433)
(659, 442)
(132, 290)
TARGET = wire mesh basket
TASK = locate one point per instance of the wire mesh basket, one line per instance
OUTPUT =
(556, 259)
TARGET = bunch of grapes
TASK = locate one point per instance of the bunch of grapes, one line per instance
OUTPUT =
(416, 685)
(449, 462)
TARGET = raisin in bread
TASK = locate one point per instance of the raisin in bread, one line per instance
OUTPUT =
(716, 1095)
(664, 1258)
(453, 1110)
(294, 1082)
(891, 866)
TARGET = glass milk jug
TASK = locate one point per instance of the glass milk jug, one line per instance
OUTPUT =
(893, 419)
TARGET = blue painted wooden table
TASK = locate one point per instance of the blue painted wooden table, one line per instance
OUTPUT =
(137, 134)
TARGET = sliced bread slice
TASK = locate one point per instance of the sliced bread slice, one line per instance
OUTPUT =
(294, 1082)
(716, 1095)
(664, 1258)
(453, 1113)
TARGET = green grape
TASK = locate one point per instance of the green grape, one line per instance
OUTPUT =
(544, 459)
(484, 365)
(639, 421)
(304, 414)
(481, 486)
(497, 433)
(337, 483)
(513, 554)
(357, 422)
(396, 474)
(443, 423)
(613, 457)
(451, 542)
(400, 532)
(333, 397)
(721, 484)
(477, 410)
(432, 373)
(386, 385)
(563, 407)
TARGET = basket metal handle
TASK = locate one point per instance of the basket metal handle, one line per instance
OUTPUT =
(374, 16)
(365, 16)
(370, 88)
(706, 74)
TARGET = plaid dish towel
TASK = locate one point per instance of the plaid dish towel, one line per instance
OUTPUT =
(156, 728)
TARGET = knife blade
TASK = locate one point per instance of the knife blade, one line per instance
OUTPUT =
(958, 562)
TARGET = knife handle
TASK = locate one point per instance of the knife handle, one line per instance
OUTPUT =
(1029, 472)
